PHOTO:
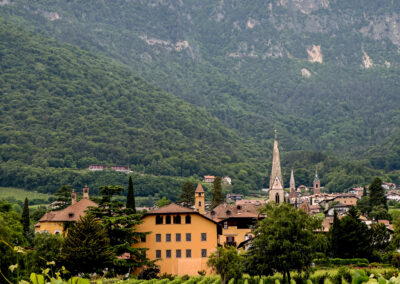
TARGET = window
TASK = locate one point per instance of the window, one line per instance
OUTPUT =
(159, 219)
(225, 225)
(158, 238)
(158, 253)
(168, 237)
(188, 237)
(178, 253)
(188, 253)
(168, 253)
(199, 203)
(70, 215)
(177, 219)
(203, 237)
(143, 238)
(178, 237)
(188, 219)
(167, 219)
(203, 253)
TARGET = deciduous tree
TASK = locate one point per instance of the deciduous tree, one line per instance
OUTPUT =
(285, 241)
(227, 262)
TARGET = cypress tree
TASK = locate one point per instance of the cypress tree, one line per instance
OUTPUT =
(25, 218)
(377, 194)
(130, 198)
(216, 193)
(187, 194)
(365, 192)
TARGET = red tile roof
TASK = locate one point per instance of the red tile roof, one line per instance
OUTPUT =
(225, 211)
(71, 213)
(199, 188)
(171, 208)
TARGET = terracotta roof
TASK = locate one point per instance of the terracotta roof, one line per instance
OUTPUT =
(386, 222)
(199, 188)
(225, 211)
(71, 213)
(171, 208)
(209, 176)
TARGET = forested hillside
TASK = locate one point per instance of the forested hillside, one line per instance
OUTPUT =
(324, 72)
(65, 108)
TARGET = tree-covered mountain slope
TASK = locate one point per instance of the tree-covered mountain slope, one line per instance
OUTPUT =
(62, 107)
(325, 72)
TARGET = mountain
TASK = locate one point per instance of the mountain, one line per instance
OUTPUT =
(64, 108)
(324, 72)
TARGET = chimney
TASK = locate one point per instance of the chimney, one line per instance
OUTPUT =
(73, 197)
(85, 192)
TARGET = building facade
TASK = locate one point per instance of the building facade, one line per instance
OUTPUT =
(180, 239)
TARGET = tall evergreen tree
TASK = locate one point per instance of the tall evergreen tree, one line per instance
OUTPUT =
(130, 198)
(120, 223)
(377, 194)
(25, 218)
(350, 237)
(87, 248)
(187, 194)
(216, 193)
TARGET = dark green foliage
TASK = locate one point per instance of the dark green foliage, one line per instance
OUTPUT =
(63, 195)
(86, 248)
(217, 197)
(47, 248)
(227, 262)
(119, 223)
(187, 194)
(285, 241)
(130, 198)
(377, 194)
(163, 202)
(380, 237)
(11, 235)
(25, 219)
(349, 236)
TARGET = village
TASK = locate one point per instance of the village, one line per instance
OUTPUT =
(182, 238)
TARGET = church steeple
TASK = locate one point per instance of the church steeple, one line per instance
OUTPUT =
(292, 186)
(317, 183)
(276, 164)
(276, 193)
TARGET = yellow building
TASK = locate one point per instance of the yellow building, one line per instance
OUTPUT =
(56, 222)
(180, 238)
(237, 221)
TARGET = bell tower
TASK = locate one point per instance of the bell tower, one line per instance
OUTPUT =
(85, 192)
(276, 192)
(317, 183)
(73, 197)
(199, 199)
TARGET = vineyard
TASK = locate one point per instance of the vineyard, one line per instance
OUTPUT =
(340, 275)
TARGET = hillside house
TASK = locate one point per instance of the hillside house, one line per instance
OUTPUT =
(209, 179)
(125, 169)
(56, 222)
(97, 167)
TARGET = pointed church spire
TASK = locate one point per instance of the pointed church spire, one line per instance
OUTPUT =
(276, 163)
(292, 186)
(316, 174)
(292, 183)
(276, 193)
